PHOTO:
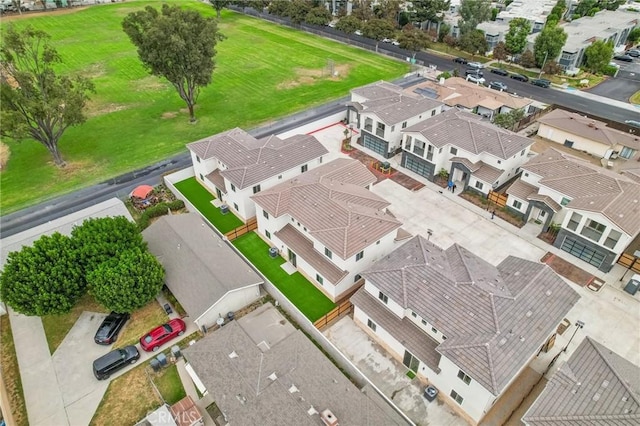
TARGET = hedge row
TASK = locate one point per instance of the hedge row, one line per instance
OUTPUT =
(158, 210)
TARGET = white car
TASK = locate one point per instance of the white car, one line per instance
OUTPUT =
(474, 78)
(386, 40)
(395, 42)
(358, 32)
(476, 65)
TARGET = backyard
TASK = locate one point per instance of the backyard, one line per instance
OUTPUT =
(135, 119)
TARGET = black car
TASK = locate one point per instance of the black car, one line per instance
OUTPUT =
(500, 71)
(541, 82)
(114, 361)
(624, 58)
(108, 331)
(519, 77)
(462, 61)
(474, 72)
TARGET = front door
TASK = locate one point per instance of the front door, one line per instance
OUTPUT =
(218, 194)
(292, 258)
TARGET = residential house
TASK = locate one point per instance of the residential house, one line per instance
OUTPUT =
(595, 386)
(456, 92)
(328, 224)
(597, 211)
(474, 152)
(588, 135)
(466, 326)
(381, 110)
(260, 370)
(234, 165)
(202, 271)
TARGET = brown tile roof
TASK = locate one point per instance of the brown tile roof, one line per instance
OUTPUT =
(594, 387)
(250, 161)
(521, 189)
(467, 131)
(495, 318)
(403, 330)
(396, 109)
(217, 180)
(303, 247)
(185, 412)
(590, 188)
(546, 200)
(487, 173)
(589, 128)
(332, 203)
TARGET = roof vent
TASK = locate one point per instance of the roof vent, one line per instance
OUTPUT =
(273, 377)
(233, 355)
(548, 292)
(521, 338)
(328, 418)
(625, 398)
(502, 341)
(605, 383)
(241, 398)
(293, 389)
(446, 296)
(529, 313)
(596, 396)
(311, 411)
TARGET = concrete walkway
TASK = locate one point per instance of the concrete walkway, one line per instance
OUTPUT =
(190, 389)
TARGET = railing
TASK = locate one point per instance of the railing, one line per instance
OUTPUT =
(250, 225)
(345, 308)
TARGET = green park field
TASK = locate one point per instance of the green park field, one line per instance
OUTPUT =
(264, 72)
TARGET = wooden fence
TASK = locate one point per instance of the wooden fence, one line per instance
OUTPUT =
(249, 226)
(339, 311)
(497, 198)
(629, 261)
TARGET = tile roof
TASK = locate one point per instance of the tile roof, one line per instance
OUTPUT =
(595, 386)
(467, 131)
(495, 318)
(378, 90)
(487, 173)
(521, 189)
(197, 262)
(217, 180)
(590, 188)
(589, 128)
(399, 108)
(546, 200)
(331, 201)
(250, 161)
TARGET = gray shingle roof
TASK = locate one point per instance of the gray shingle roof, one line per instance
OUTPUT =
(495, 318)
(589, 128)
(378, 90)
(250, 161)
(594, 387)
(332, 203)
(590, 188)
(200, 267)
(467, 131)
(399, 108)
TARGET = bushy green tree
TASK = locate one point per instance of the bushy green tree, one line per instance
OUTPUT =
(279, 8)
(429, 10)
(598, 55)
(474, 42)
(349, 24)
(500, 52)
(43, 279)
(516, 38)
(528, 60)
(379, 29)
(218, 5)
(318, 16)
(509, 119)
(298, 11)
(413, 39)
(127, 282)
(634, 36)
(473, 12)
(548, 44)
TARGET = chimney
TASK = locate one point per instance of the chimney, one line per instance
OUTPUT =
(328, 418)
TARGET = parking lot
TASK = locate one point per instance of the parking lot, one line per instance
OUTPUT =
(623, 85)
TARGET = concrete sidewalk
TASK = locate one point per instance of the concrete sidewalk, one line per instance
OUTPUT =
(190, 389)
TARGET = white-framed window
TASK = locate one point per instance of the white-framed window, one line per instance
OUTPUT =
(360, 255)
(304, 168)
(404, 125)
(319, 279)
(201, 177)
(593, 230)
(434, 330)
(424, 322)
(574, 221)
(453, 150)
(564, 201)
(463, 376)
(479, 185)
(612, 239)
(517, 204)
(256, 189)
(197, 159)
(372, 325)
(233, 187)
(357, 277)
(279, 176)
(383, 297)
(456, 397)
(413, 314)
(235, 206)
(267, 234)
(433, 112)
(265, 214)
(328, 253)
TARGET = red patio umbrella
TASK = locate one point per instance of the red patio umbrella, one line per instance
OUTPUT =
(142, 191)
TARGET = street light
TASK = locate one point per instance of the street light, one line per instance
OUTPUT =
(579, 324)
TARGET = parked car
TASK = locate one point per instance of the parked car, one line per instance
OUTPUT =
(386, 40)
(541, 82)
(476, 65)
(497, 85)
(108, 331)
(474, 78)
(115, 360)
(358, 32)
(395, 42)
(499, 71)
(633, 285)
(162, 334)
(634, 123)
(474, 72)
(462, 61)
(624, 58)
(519, 77)
(633, 52)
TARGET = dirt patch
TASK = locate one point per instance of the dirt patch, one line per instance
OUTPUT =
(150, 84)
(95, 109)
(306, 76)
(94, 71)
(76, 167)
(567, 270)
(142, 320)
(169, 115)
(5, 153)
(25, 15)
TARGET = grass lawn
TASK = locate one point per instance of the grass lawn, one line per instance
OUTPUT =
(445, 48)
(56, 327)
(11, 374)
(311, 302)
(556, 79)
(201, 199)
(263, 71)
(169, 384)
(141, 321)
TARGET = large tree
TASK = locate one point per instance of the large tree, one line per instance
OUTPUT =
(500, 52)
(127, 282)
(387, 9)
(298, 10)
(177, 44)
(348, 24)
(509, 119)
(218, 5)
(473, 12)
(548, 44)
(633, 37)
(474, 42)
(598, 56)
(36, 102)
(429, 10)
(413, 39)
(318, 16)
(516, 38)
(43, 279)
(379, 29)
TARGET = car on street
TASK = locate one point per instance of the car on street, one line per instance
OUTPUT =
(624, 58)
(162, 334)
(633, 123)
(474, 72)
(499, 71)
(519, 77)
(462, 61)
(395, 42)
(386, 40)
(476, 65)
(114, 361)
(541, 82)
(108, 331)
(633, 52)
(474, 78)
(497, 85)
(358, 32)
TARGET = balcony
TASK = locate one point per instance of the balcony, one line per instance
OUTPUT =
(418, 151)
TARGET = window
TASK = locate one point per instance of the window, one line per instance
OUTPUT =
(430, 152)
(407, 143)
(368, 124)
(453, 150)
(256, 189)
(380, 129)
(233, 187)
(328, 253)
(265, 214)
(418, 148)
(517, 204)
(627, 152)
(320, 160)
(444, 337)
(574, 221)
(393, 128)
(267, 234)
(383, 297)
(360, 255)
(413, 314)
(319, 279)
(404, 125)
(499, 161)
(522, 152)
(479, 185)
(564, 201)
(435, 330)
(377, 242)
(372, 325)
(201, 177)
(526, 175)
(197, 159)
(235, 206)
(457, 398)
(357, 277)
(433, 112)
(463, 376)
(593, 230)
(424, 322)
(612, 239)
(279, 176)
(304, 168)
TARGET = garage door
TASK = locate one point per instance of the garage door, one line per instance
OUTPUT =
(375, 144)
(418, 165)
(583, 251)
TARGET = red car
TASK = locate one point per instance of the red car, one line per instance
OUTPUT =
(162, 334)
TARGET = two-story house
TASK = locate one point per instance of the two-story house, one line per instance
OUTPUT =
(380, 111)
(475, 153)
(468, 327)
(234, 165)
(328, 224)
(586, 134)
(598, 211)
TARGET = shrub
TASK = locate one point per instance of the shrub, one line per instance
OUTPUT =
(158, 210)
